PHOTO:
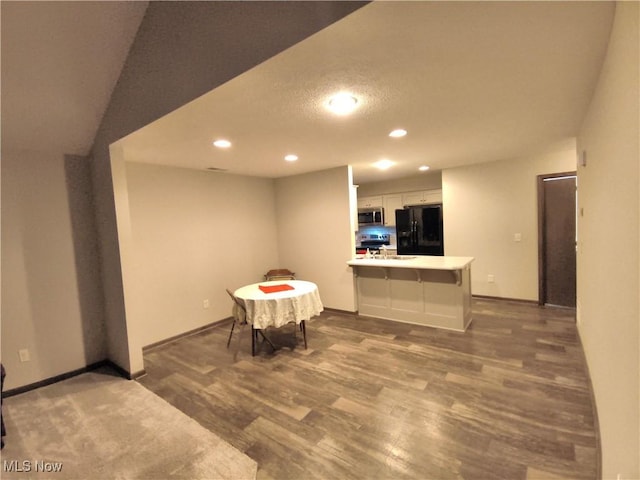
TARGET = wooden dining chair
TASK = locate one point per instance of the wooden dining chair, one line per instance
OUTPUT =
(279, 274)
(240, 316)
(238, 312)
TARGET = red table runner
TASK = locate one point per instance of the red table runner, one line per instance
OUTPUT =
(275, 288)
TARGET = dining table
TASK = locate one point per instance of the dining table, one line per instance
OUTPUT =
(277, 303)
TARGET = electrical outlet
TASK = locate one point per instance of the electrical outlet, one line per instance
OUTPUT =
(205, 303)
(517, 237)
(491, 279)
(24, 355)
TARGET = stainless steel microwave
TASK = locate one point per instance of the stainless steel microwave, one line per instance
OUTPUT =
(371, 216)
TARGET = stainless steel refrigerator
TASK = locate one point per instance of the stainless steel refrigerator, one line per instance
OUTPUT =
(419, 230)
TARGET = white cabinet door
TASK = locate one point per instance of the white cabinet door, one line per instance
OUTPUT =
(412, 198)
(433, 196)
(422, 197)
(391, 203)
(370, 202)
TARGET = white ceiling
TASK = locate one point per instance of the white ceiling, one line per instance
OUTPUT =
(60, 63)
(471, 82)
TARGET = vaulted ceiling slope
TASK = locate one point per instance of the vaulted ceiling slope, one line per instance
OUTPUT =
(470, 81)
(60, 63)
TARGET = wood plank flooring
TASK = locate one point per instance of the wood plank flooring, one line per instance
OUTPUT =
(375, 399)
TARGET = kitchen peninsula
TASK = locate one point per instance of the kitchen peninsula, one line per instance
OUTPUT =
(426, 290)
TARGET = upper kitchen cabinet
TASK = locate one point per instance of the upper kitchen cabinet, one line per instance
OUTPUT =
(422, 197)
(391, 203)
(370, 202)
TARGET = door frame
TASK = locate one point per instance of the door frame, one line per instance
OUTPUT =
(542, 290)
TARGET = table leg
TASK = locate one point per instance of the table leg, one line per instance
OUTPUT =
(253, 341)
(303, 327)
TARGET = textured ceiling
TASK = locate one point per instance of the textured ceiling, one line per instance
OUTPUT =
(471, 82)
(60, 63)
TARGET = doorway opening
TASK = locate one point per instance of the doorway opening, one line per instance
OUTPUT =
(557, 200)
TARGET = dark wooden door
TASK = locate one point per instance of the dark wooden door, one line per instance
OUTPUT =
(557, 201)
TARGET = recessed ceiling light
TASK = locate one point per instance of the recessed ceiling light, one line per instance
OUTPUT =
(291, 157)
(342, 103)
(397, 133)
(222, 143)
(423, 168)
(383, 164)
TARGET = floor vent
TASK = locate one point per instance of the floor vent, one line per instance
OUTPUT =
(216, 169)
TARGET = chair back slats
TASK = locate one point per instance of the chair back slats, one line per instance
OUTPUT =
(280, 274)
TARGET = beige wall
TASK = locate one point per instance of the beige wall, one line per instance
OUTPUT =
(51, 291)
(485, 205)
(608, 259)
(193, 234)
(315, 232)
(152, 84)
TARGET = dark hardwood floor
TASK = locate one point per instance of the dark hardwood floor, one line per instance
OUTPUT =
(375, 399)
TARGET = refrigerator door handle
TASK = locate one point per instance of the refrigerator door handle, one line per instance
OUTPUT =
(414, 230)
(411, 234)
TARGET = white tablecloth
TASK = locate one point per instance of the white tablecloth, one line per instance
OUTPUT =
(278, 308)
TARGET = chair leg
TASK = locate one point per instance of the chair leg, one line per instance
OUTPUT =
(265, 338)
(233, 325)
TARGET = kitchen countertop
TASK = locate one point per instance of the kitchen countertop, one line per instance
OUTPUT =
(421, 262)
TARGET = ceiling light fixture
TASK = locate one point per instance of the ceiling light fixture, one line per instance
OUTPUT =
(291, 157)
(423, 168)
(383, 164)
(397, 133)
(222, 143)
(342, 103)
